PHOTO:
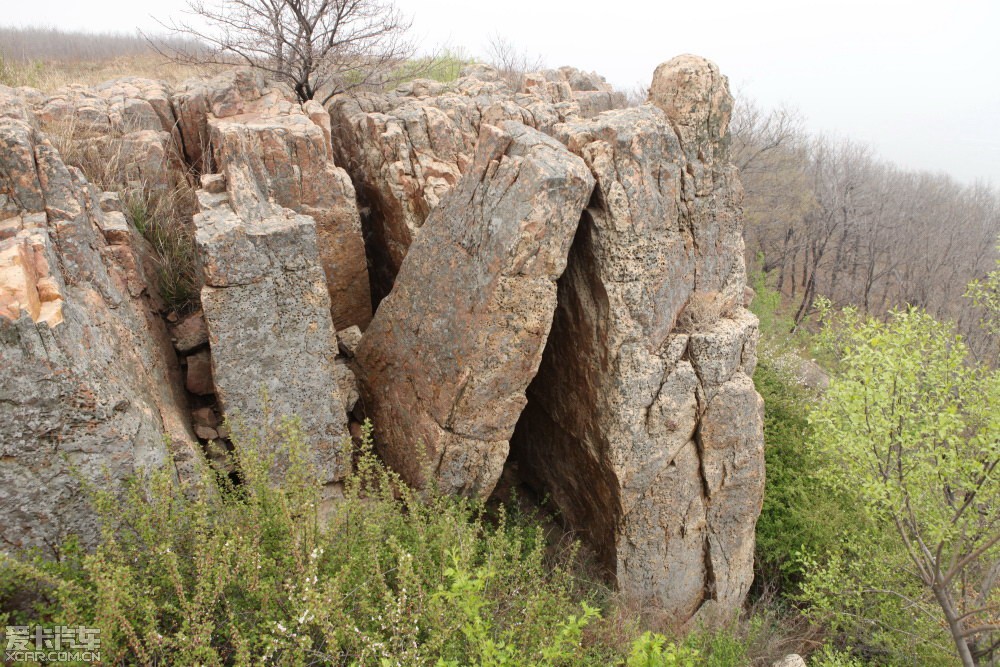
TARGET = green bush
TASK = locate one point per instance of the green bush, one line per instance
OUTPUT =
(800, 515)
(260, 573)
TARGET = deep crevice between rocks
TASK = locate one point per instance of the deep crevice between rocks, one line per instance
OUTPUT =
(381, 268)
(557, 454)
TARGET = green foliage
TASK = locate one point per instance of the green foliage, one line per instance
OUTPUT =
(653, 650)
(774, 322)
(444, 67)
(909, 431)
(268, 572)
(830, 657)
(800, 515)
(985, 294)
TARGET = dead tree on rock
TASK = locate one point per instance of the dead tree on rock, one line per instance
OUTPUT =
(318, 47)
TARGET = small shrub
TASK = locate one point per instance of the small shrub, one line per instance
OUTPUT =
(444, 67)
(702, 310)
(653, 650)
(253, 573)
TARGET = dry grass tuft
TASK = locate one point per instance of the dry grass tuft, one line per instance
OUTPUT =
(163, 215)
(702, 310)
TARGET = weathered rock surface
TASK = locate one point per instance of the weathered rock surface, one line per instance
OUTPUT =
(276, 153)
(89, 381)
(451, 350)
(565, 283)
(273, 344)
(127, 126)
(405, 151)
(649, 439)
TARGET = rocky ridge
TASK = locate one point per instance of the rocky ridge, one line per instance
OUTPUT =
(534, 283)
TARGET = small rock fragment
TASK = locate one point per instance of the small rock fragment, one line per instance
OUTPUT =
(190, 332)
(199, 374)
(348, 340)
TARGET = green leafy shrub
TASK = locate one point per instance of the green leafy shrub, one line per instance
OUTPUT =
(800, 515)
(909, 431)
(653, 650)
(267, 572)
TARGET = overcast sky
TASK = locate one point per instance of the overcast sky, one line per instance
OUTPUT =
(920, 81)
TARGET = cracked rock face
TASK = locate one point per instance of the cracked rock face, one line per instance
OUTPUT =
(89, 385)
(277, 154)
(648, 434)
(272, 339)
(406, 150)
(448, 356)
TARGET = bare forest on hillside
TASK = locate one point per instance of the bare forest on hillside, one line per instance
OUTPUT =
(825, 216)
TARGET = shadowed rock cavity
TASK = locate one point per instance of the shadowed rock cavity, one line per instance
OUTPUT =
(642, 423)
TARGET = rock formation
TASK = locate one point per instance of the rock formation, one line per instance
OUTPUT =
(561, 284)
(126, 126)
(273, 345)
(88, 387)
(643, 423)
(406, 150)
(451, 350)
(285, 149)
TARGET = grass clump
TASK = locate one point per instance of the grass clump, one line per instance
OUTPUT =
(160, 209)
(163, 217)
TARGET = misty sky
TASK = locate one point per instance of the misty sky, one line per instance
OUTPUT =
(920, 81)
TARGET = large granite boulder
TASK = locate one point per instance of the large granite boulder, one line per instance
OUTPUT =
(90, 387)
(562, 292)
(451, 350)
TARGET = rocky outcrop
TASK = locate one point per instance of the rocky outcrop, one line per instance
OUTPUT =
(125, 127)
(273, 344)
(276, 154)
(89, 390)
(562, 294)
(406, 150)
(445, 363)
(643, 423)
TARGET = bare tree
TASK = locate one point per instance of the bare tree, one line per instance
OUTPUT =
(511, 62)
(319, 47)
